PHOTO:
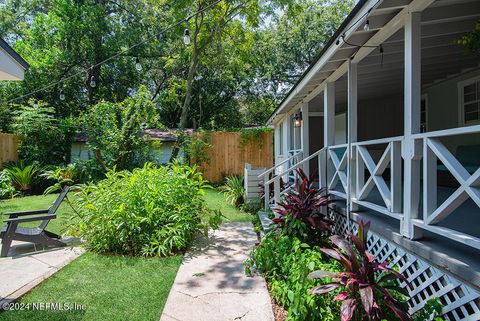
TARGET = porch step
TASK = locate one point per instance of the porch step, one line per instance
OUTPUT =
(266, 222)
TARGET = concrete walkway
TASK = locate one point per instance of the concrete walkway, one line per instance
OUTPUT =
(27, 266)
(211, 284)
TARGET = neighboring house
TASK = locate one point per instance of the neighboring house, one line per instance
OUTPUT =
(12, 66)
(387, 118)
(162, 143)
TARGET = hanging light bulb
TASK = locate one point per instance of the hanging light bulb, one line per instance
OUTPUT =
(138, 65)
(366, 26)
(62, 95)
(93, 83)
(35, 104)
(186, 37)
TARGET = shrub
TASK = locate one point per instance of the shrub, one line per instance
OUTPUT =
(364, 281)
(301, 212)
(285, 261)
(23, 176)
(6, 188)
(61, 176)
(151, 211)
(234, 191)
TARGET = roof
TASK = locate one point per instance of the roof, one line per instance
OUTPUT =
(6, 47)
(163, 135)
(330, 42)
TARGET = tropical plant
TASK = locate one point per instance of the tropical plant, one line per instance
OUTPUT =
(285, 261)
(151, 211)
(364, 281)
(23, 176)
(234, 190)
(62, 176)
(6, 188)
(301, 211)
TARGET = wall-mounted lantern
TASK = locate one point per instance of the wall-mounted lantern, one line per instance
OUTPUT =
(297, 120)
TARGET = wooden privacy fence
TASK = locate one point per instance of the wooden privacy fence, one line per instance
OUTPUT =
(8, 148)
(228, 152)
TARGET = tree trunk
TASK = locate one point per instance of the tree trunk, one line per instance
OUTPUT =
(186, 104)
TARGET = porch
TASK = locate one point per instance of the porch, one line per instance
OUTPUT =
(388, 121)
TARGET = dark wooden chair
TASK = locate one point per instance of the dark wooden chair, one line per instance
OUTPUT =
(38, 235)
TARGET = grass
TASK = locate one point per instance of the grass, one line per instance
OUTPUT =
(110, 287)
(216, 201)
(64, 213)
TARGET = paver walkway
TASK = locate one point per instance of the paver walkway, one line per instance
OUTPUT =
(27, 266)
(211, 283)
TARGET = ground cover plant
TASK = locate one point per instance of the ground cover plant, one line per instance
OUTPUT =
(151, 211)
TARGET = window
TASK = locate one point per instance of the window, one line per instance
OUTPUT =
(470, 101)
(423, 114)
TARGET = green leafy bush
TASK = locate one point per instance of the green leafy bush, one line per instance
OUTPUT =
(61, 176)
(151, 211)
(234, 191)
(285, 261)
(6, 188)
(23, 176)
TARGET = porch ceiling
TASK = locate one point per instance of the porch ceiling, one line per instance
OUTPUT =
(443, 23)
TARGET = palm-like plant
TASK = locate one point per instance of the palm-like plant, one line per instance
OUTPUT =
(234, 190)
(22, 176)
(364, 281)
(63, 176)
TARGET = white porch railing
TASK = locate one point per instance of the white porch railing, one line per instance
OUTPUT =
(390, 158)
(469, 185)
(337, 161)
(292, 159)
(320, 155)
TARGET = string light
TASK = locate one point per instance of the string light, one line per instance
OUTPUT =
(118, 54)
(138, 65)
(186, 37)
(35, 104)
(93, 83)
(62, 95)
(366, 26)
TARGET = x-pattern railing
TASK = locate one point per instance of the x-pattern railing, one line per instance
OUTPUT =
(391, 158)
(339, 168)
(469, 183)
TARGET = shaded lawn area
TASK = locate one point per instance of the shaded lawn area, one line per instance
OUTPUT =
(111, 288)
(216, 201)
(40, 202)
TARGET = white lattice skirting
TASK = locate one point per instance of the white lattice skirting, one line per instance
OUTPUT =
(460, 301)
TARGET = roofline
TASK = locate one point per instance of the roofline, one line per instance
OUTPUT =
(329, 43)
(5, 46)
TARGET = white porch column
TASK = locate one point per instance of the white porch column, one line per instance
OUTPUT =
(328, 129)
(287, 132)
(352, 133)
(305, 131)
(412, 149)
(276, 141)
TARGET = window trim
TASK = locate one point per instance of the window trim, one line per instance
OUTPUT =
(461, 106)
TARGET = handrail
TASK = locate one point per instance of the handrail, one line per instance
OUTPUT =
(378, 141)
(449, 132)
(297, 165)
(268, 171)
(338, 146)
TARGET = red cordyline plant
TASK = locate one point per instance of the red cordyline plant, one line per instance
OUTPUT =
(304, 204)
(365, 281)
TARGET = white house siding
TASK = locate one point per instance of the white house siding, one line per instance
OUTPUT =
(79, 151)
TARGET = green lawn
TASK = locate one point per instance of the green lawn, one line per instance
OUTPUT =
(215, 200)
(64, 213)
(111, 288)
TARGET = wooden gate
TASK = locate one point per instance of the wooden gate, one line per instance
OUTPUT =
(8, 148)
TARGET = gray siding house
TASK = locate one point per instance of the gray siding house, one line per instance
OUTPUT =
(387, 119)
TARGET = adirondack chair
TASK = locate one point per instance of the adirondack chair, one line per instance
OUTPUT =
(38, 235)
